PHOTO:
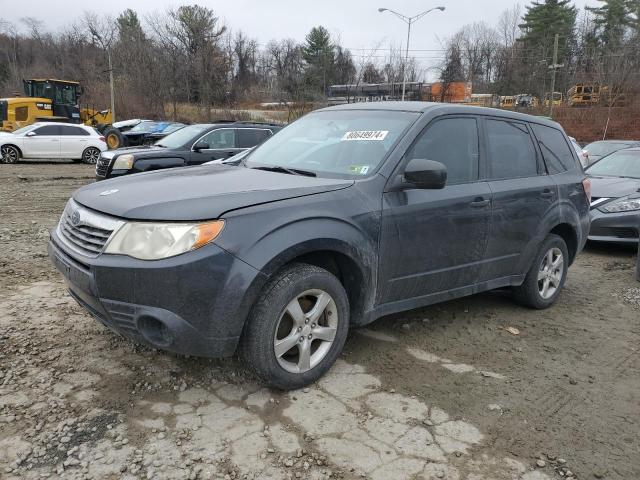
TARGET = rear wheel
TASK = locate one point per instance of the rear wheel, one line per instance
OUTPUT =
(114, 138)
(91, 155)
(547, 275)
(9, 154)
(297, 328)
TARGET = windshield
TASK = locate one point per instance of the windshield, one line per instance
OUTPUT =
(181, 137)
(604, 148)
(145, 127)
(24, 130)
(338, 143)
(620, 164)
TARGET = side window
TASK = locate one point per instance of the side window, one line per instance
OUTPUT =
(22, 114)
(221, 138)
(511, 150)
(453, 142)
(76, 131)
(555, 150)
(48, 130)
(250, 137)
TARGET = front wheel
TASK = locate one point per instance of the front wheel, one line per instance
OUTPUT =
(547, 275)
(9, 154)
(91, 155)
(297, 328)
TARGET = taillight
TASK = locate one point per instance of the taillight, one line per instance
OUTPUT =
(586, 184)
(102, 139)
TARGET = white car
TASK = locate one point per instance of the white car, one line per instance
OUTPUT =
(52, 140)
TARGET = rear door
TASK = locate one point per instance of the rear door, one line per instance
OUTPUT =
(522, 191)
(73, 141)
(434, 241)
(222, 144)
(44, 143)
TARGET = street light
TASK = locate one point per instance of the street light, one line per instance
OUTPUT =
(408, 21)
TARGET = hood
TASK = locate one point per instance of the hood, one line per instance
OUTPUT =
(197, 193)
(613, 187)
(4, 134)
(139, 151)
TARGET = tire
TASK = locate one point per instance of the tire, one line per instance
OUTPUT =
(271, 325)
(114, 138)
(9, 154)
(543, 285)
(90, 155)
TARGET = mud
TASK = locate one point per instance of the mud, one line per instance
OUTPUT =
(441, 392)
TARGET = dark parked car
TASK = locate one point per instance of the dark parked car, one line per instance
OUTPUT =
(348, 214)
(191, 145)
(597, 150)
(615, 205)
(149, 132)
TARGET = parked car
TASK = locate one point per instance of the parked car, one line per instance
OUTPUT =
(582, 154)
(147, 132)
(348, 214)
(597, 150)
(47, 140)
(191, 145)
(615, 205)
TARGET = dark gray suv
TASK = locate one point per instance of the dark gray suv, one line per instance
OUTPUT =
(348, 214)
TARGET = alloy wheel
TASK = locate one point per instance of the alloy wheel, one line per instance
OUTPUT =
(91, 155)
(9, 154)
(305, 331)
(550, 273)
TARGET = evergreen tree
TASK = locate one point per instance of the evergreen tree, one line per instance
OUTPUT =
(319, 54)
(542, 21)
(611, 20)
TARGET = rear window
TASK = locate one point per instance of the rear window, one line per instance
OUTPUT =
(250, 137)
(511, 150)
(555, 149)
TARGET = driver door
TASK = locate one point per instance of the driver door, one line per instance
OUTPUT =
(222, 143)
(434, 241)
(43, 143)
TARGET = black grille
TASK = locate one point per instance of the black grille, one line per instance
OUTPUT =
(89, 240)
(102, 166)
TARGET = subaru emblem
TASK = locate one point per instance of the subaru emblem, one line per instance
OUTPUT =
(75, 218)
(108, 192)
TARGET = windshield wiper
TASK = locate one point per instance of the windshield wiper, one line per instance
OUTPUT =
(160, 145)
(290, 171)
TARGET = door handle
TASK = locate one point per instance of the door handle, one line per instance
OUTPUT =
(480, 202)
(547, 192)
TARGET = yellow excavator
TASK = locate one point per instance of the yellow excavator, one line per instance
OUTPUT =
(50, 100)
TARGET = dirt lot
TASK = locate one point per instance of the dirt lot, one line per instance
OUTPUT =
(442, 392)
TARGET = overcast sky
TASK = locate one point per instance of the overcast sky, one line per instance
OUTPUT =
(356, 22)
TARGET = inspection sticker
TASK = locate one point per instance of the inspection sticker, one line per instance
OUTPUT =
(359, 169)
(377, 135)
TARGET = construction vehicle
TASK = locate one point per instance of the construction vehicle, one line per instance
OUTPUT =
(48, 100)
(558, 98)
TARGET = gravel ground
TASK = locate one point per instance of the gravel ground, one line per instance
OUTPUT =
(442, 392)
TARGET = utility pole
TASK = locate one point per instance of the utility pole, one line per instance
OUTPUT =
(553, 68)
(406, 59)
(113, 98)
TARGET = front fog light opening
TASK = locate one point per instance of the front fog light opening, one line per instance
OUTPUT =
(155, 332)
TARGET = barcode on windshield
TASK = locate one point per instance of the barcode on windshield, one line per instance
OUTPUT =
(376, 135)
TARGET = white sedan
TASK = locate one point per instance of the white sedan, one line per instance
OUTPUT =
(52, 140)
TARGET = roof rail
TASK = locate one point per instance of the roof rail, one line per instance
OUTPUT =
(273, 124)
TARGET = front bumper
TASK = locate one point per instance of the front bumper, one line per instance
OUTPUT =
(620, 227)
(193, 304)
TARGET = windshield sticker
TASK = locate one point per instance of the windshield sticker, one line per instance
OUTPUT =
(377, 135)
(359, 169)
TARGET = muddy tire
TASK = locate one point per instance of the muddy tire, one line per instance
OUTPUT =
(9, 154)
(547, 275)
(91, 155)
(297, 327)
(114, 138)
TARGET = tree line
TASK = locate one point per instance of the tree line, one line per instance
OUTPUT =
(600, 44)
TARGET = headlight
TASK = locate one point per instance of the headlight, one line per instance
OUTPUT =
(123, 162)
(153, 241)
(624, 205)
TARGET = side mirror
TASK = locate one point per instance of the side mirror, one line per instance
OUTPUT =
(426, 174)
(30, 134)
(200, 146)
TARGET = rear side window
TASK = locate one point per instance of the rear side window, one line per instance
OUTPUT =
(250, 137)
(48, 130)
(555, 150)
(77, 131)
(453, 142)
(512, 153)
